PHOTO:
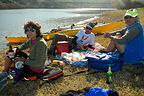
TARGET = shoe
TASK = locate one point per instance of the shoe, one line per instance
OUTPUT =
(3, 75)
(10, 76)
(12, 71)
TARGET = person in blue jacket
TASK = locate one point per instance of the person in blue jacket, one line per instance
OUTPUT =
(130, 40)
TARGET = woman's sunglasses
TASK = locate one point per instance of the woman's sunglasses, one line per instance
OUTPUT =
(88, 28)
(31, 29)
(128, 17)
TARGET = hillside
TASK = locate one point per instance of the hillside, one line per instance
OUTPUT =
(6, 4)
(120, 4)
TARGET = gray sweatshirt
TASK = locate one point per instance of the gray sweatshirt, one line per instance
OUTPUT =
(126, 35)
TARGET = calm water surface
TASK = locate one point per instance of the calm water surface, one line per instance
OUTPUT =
(12, 21)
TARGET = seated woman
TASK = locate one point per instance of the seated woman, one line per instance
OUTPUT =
(130, 40)
(34, 64)
(82, 38)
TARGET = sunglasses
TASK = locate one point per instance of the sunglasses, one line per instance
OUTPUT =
(128, 17)
(31, 29)
(88, 28)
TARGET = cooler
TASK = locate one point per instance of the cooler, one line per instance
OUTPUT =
(62, 46)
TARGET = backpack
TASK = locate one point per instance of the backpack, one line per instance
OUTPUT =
(101, 60)
(48, 74)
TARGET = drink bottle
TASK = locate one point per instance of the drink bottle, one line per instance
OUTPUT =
(109, 75)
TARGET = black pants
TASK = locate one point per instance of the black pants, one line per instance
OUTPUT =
(27, 72)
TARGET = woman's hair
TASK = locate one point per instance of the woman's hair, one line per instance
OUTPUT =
(34, 25)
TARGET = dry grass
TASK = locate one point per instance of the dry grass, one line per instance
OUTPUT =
(128, 82)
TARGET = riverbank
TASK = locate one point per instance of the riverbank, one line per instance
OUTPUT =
(48, 18)
(10, 6)
(17, 4)
(128, 82)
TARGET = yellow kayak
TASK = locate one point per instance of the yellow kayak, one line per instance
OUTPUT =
(16, 39)
(98, 29)
(22, 39)
(106, 27)
(69, 32)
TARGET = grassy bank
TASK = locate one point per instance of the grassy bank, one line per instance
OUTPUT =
(128, 82)
(10, 6)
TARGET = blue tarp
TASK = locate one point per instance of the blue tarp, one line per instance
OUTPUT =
(96, 91)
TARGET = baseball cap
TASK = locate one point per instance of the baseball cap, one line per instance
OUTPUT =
(131, 12)
(90, 25)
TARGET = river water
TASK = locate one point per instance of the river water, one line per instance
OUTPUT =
(12, 21)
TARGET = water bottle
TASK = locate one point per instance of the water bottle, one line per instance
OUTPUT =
(109, 75)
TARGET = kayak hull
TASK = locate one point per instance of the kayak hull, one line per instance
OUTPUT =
(69, 32)
(16, 39)
(22, 39)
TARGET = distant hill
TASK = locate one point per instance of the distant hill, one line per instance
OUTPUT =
(121, 4)
(54, 3)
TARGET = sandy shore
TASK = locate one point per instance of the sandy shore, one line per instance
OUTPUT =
(99, 15)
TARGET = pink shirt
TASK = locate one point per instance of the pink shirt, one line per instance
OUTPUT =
(33, 41)
(36, 70)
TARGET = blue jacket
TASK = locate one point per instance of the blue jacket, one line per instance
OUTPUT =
(96, 91)
(134, 49)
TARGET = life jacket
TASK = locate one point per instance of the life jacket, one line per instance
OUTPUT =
(134, 49)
